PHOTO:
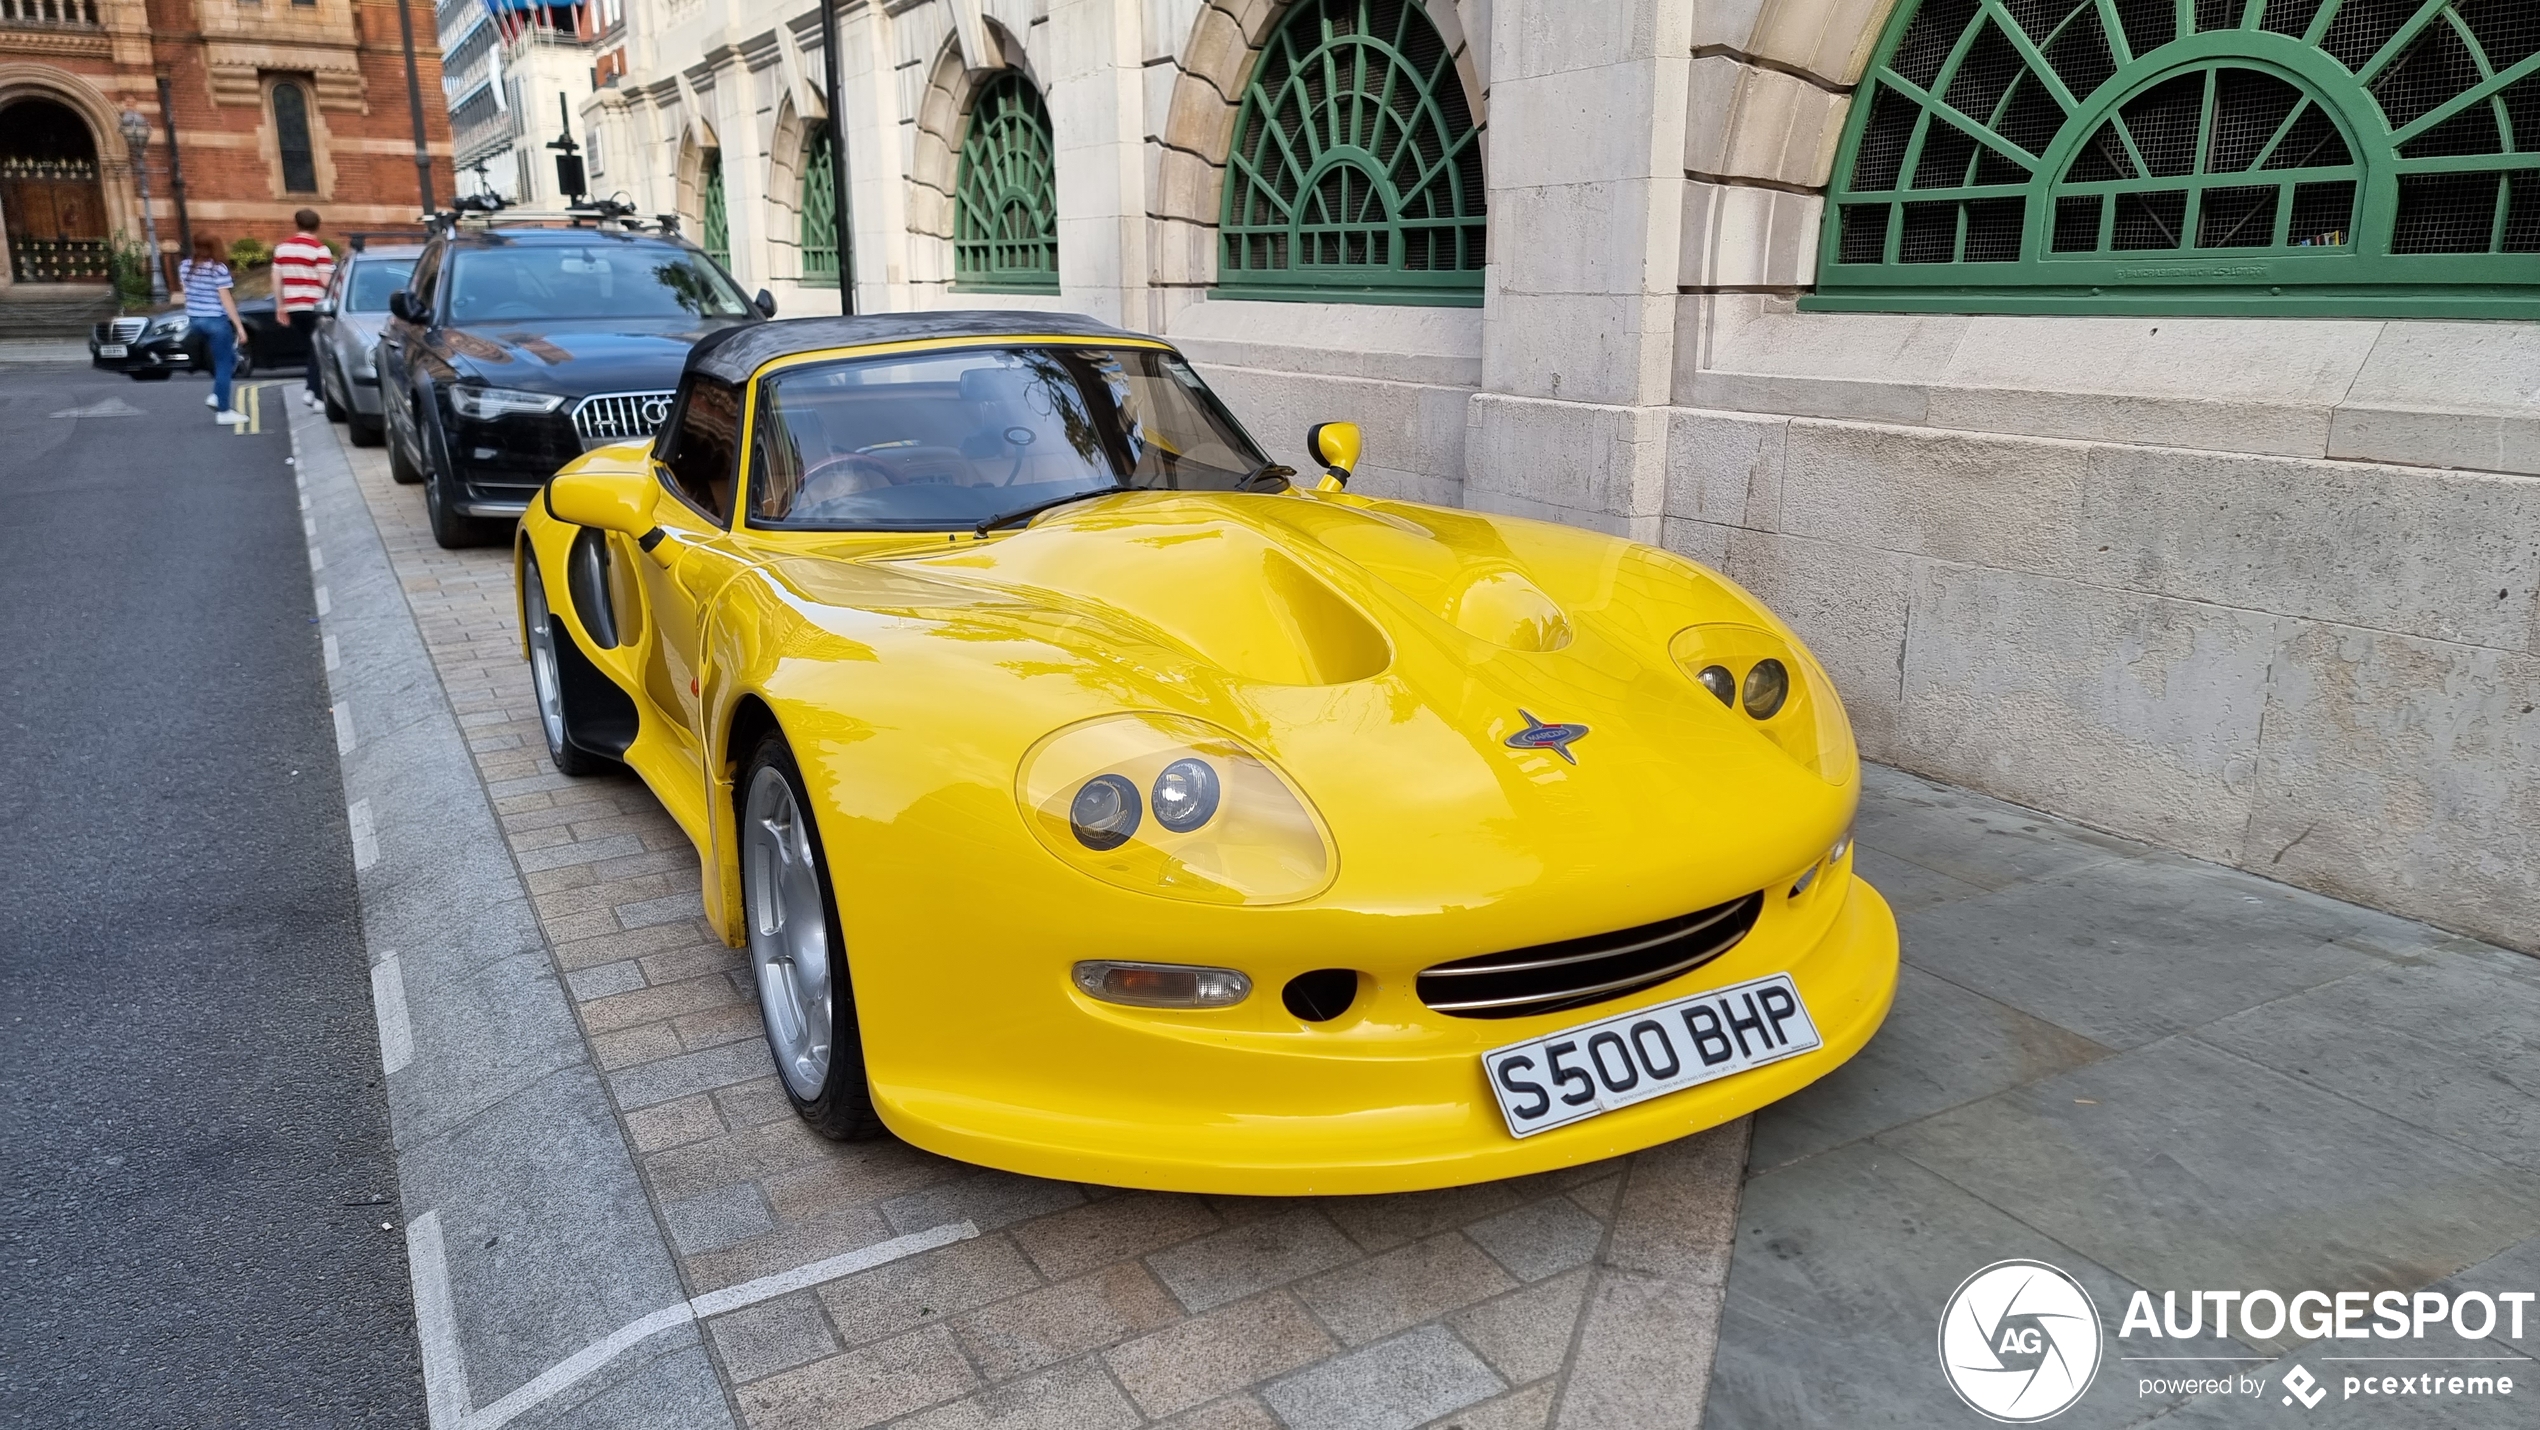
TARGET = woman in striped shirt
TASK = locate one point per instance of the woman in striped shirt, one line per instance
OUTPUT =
(212, 315)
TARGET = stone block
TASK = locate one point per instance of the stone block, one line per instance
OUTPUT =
(1831, 39)
(758, 1341)
(2435, 437)
(1591, 237)
(863, 1387)
(1438, 346)
(1531, 41)
(927, 1289)
(2000, 502)
(1068, 1243)
(1042, 1327)
(1760, 124)
(2418, 370)
(1526, 1334)
(1699, 541)
(1580, 347)
(1228, 1349)
(1402, 1288)
(2142, 711)
(1578, 127)
(1540, 1239)
(1392, 1385)
(1725, 467)
(717, 1219)
(2451, 556)
(1572, 456)
(1255, 1256)
(1067, 1397)
(2404, 773)
(1736, 235)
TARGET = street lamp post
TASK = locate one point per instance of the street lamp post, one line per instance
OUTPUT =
(136, 137)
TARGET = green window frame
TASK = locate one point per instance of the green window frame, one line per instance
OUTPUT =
(1005, 202)
(818, 236)
(1356, 169)
(714, 228)
(2299, 158)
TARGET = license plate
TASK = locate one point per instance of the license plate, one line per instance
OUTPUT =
(111, 350)
(1572, 1075)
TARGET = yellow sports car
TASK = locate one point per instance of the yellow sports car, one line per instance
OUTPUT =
(1100, 800)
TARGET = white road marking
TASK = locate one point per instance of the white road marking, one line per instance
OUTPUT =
(388, 1000)
(343, 727)
(317, 558)
(323, 604)
(309, 524)
(365, 837)
(445, 1395)
(445, 1369)
(334, 656)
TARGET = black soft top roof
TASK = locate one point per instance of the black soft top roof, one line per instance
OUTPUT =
(732, 354)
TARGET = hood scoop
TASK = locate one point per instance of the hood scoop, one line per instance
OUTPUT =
(1220, 588)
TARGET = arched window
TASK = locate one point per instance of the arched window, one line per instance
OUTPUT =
(1356, 168)
(818, 239)
(291, 135)
(1005, 208)
(2294, 157)
(714, 229)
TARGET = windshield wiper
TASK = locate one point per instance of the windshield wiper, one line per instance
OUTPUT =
(1268, 477)
(1026, 513)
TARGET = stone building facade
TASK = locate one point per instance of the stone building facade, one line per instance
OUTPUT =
(279, 105)
(2225, 535)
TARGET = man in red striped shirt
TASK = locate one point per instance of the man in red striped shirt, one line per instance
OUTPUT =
(302, 267)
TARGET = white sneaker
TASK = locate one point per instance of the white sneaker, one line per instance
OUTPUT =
(308, 398)
(232, 418)
(210, 401)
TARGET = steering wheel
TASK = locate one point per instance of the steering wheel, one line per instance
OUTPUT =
(841, 477)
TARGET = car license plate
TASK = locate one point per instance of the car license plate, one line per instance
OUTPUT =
(111, 350)
(1572, 1075)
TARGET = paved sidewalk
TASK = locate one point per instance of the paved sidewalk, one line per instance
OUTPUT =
(2151, 1072)
(1586, 1299)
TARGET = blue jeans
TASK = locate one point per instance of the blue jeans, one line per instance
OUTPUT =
(223, 341)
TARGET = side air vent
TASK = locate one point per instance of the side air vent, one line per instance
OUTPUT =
(1579, 971)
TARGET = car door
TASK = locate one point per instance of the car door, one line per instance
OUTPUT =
(399, 344)
(697, 460)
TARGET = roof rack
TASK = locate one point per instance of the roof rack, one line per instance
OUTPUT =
(486, 210)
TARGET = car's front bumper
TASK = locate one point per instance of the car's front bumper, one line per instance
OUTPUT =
(168, 354)
(500, 463)
(1391, 1099)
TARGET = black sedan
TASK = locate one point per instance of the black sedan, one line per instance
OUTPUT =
(513, 349)
(147, 348)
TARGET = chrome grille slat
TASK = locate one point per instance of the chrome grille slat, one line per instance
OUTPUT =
(1574, 972)
(605, 417)
(121, 330)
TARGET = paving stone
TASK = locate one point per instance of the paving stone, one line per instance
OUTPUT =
(1067, 1397)
(1026, 1332)
(1527, 1408)
(1231, 1348)
(988, 1200)
(674, 908)
(1540, 1239)
(1235, 1412)
(758, 1341)
(1526, 1334)
(745, 1155)
(753, 1104)
(732, 1023)
(1114, 1229)
(630, 1046)
(579, 851)
(660, 1081)
(1241, 1260)
(1366, 1300)
(861, 1387)
(790, 1245)
(717, 1219)
(1377, 1223)
(854, 1174)
(604, 980)
(926, 1289)
(673, 1123)
(1392, 1385)
(646, 1005)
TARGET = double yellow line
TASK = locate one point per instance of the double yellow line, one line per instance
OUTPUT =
(254, 407)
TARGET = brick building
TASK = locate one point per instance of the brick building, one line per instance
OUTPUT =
(278, 105)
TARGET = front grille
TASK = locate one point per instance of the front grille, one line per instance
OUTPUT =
(1578, 971)
(606, 417)
(121, 330)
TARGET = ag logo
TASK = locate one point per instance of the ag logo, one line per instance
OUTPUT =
(2019, 1341)
(656, 411)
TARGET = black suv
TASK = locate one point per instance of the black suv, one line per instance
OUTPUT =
(512, 349)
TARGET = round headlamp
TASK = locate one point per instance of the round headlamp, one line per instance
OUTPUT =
(1104, 813)
(1185, 795)
(1767, 686)
(1775, 688)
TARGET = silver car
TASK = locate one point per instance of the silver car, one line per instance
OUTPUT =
(349, 320)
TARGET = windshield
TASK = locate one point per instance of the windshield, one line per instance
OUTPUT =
(952, 439)
(373, 280)
(602, 280)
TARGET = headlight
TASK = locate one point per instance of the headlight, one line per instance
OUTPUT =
(483, 402)
(1173, 806)
(1776, 688)
(166, 325)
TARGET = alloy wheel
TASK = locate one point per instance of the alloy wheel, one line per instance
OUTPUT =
(543, 671)
(789, 931)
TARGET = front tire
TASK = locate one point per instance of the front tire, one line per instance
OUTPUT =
(365, 431)
(546, 676)
(326, 393)
(401, 469)
(797, 954)
(452, 529)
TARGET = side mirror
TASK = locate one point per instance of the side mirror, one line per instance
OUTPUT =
(1336, 445)
(765, 302)
(401, 305)
(326, 308)
(610, 500)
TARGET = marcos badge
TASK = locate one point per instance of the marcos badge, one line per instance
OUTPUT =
(1539, 736)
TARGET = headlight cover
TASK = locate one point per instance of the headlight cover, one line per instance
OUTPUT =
(1232, 831)
(484, 402)
(1771, 684)
(166, 325)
